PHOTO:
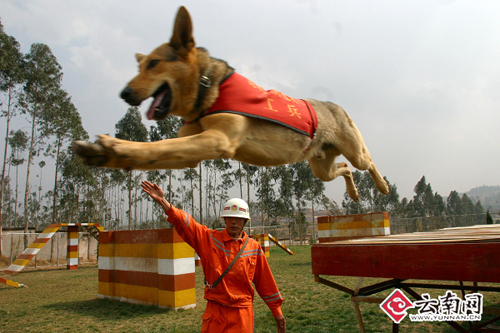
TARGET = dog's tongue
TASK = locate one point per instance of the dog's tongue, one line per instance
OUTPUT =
(152, 109)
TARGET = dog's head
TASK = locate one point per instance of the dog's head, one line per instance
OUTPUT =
(169, 74)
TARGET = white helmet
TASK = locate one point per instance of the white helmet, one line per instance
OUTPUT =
(236, 208)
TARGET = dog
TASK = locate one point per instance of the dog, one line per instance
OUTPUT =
(186, 81)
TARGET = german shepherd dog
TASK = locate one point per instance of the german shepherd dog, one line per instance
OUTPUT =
(184, 81)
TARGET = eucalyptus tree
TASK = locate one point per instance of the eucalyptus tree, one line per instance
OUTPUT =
(131, 128)
(41, 164)
(117, 178)
(63, 124)
(278, 196)
(8, 201)
(284, 205)
(166, 129)
(303, 177)
(423, 200)
(191, 175)
(250, 175)
(18, 142)
(329, 205)
(370, 199)
(458, 208)
(219, 182)
(265, 193)
(11, 75)
(356, 207)
(315, 193)
(42, 81)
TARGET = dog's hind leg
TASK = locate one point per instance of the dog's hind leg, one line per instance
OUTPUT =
(362, 161)
(327, 170)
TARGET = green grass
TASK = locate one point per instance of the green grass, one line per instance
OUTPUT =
(66, 301)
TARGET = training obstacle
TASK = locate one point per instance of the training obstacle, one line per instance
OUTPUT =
(150, 267)
(336, 228)
(31, 251)
(282, 246)
(263, 240)
(12, 283)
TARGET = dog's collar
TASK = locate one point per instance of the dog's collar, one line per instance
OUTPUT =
(203, 84)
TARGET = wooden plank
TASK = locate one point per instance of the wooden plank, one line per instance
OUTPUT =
(478, 262)
(478, 233)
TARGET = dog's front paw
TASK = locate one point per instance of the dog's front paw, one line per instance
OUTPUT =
(92, 154)
(108, 152)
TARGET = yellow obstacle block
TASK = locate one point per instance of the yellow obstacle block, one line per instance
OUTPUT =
(335, 228)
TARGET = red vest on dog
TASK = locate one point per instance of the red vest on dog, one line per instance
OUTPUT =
(239, 95)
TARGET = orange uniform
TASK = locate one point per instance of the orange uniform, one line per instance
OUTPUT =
(230, 303)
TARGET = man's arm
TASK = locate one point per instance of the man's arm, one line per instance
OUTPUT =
(157, 194)
(268, 290)
(190, 231)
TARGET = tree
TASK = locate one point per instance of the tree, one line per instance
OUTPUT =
(302, 178)
(76, 178)
(366, 202)
(131, 128)
(329, 205)
(284, 204)
(41, 164)
(265, 193)
(43, 78)
(425, 202)
(219, 182)
(191, 175)
(18, 142)
(454, 204)
(62, 122)
(166, 129)
(370, 199)
(11, 75)
(315, 195)
(489, 219)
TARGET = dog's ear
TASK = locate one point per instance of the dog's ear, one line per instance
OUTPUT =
(182, 38)
(139, 56)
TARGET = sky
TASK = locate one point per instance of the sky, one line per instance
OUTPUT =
(420, 78)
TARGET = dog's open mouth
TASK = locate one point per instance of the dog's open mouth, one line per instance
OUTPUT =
(161, 103)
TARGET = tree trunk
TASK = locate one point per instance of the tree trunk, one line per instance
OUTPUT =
(28, 170)
(241, 181)
(130, 200)
(54, 197)
(2, 187)
(201, 195)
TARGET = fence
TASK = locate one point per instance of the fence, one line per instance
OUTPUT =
(398, 225)
(54, 252)
(419, 224)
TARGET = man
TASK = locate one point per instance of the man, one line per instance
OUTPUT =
(229, 300)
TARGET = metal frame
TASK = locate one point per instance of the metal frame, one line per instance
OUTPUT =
(364, 295)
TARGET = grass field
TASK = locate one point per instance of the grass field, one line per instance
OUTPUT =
(66, 301)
